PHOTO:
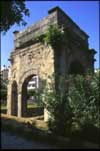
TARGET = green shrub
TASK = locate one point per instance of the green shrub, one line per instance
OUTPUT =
(77, 108)
(3, 87)
(84, 100)
(3, 95)
(58, 108)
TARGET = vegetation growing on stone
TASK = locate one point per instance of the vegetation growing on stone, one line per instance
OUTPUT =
(54, 37)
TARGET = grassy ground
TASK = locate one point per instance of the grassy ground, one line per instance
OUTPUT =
(33, 109)
(29, 105)
(3, 106)
(32, 105)
(29, 128)
(36, 129)
(38, 123)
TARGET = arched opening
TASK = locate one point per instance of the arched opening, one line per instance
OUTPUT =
(76, 68)
(30, 99)
(14, 97)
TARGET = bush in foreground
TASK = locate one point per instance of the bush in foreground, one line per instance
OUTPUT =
(78, 109)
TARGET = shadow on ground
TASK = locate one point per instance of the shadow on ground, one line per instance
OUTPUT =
(38, 111)
(31, 112)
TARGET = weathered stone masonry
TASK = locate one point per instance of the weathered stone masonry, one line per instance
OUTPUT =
(30, 57)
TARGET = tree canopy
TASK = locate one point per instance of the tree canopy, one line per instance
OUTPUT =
(12, 12)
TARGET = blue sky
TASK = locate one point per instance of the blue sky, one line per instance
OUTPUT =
(84, 13)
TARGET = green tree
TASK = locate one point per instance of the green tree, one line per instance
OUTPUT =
(57, 107)
(79, 110)
(3, 86)
(12, 12)
(84, 99)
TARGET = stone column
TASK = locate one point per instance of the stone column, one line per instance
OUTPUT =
(19, 104)
(46, 115)
(9, 99)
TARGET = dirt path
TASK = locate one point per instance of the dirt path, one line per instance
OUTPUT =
(9, 141)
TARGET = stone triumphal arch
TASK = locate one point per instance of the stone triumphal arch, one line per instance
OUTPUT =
(30, 57)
